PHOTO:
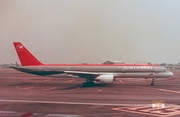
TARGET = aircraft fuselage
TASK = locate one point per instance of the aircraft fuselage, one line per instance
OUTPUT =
(118, 71)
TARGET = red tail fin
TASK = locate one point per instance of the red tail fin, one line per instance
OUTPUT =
(25, 57)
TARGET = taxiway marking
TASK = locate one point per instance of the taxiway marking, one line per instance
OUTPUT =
(133, 111)
(24, 88)
(50, 89)
(74, 103)
(170, 110)
(77, 88)
(45, 80)
(70, 81)
(39, 80)
(99, 90)
(39, 114)
(19, 87)
(169, 91)
(7, 112)
(67, 81)
(121, 81)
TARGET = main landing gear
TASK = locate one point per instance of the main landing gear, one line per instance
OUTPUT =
(152, 84)
(88, 83)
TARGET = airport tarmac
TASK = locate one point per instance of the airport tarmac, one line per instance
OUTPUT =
(25, 95)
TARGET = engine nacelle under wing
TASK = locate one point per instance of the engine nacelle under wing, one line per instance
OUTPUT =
(107, 79)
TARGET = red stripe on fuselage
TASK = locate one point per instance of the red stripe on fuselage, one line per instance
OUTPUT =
(97, 65)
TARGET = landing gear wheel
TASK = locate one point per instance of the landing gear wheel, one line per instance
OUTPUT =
(152, 84)
(88, 84)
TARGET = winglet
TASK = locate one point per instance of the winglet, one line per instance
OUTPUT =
(26, 58)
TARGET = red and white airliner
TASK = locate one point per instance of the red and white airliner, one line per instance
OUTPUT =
(103, 73)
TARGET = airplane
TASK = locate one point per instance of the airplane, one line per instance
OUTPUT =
(102, 73)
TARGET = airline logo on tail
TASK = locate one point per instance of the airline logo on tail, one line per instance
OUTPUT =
(19, 47)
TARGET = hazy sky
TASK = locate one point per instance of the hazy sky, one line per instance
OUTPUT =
(92, 31)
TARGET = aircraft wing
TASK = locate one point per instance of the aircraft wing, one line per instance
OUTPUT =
(83, 74)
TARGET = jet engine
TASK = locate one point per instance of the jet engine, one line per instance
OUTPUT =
(107, 79)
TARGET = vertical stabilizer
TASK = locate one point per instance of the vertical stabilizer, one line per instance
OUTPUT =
(25, 57)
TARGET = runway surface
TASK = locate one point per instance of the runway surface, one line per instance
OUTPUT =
(25, 95)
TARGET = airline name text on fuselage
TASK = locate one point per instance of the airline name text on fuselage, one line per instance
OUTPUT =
(135, 67)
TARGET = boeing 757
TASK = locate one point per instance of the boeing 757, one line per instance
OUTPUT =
(103, 73)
